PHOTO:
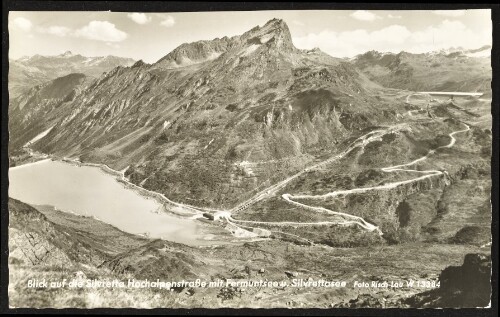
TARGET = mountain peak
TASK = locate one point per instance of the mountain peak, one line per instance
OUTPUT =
(67, 54)
(192, 53)
(277, 23)
(274, 34)
(275, 31)
(139, 63)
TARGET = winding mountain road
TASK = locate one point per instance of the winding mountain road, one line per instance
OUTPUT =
(361, 141)
(396, 168)
(351, 219)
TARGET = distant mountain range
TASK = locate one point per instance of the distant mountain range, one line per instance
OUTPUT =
(483, 51)
(445, 70)
(27, 72)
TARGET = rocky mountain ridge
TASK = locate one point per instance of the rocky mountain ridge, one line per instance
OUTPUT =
(275, 32)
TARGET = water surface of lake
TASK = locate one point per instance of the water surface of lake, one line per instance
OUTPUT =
(89, 191)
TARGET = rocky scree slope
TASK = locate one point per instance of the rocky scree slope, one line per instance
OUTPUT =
(40, 107)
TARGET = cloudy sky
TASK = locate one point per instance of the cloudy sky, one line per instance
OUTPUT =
(150, 36)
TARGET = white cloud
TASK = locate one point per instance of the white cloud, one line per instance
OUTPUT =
(395, 38)
(364, 15)
(449, 34)
(139, 18)
(350, 43)
(450, 13)
(23, 23)
(56, 30)
(390, 16)
(101, 31)
(95, 30)
(168, 21)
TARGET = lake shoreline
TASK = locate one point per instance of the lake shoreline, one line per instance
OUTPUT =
(167, 206)
(119, 176)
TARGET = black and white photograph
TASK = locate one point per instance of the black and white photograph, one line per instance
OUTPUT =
(336, 159)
